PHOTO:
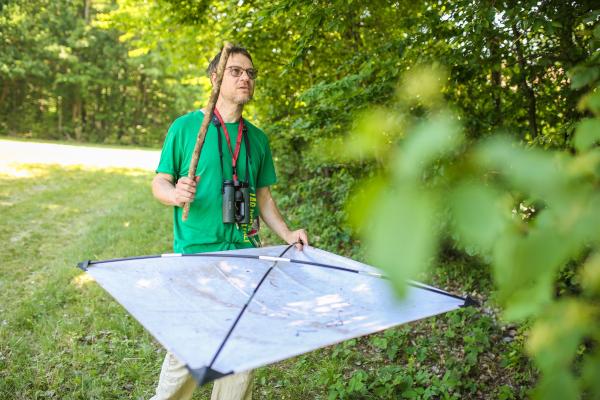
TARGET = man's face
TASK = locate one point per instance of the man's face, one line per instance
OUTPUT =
(237, 90)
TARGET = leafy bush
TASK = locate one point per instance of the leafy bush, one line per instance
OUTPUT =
(531, 213)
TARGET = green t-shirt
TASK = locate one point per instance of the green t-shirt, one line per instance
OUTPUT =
(204, 229)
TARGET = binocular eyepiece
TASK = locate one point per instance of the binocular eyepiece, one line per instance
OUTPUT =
(236, 202)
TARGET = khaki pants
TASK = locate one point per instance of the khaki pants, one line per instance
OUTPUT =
(176, 383)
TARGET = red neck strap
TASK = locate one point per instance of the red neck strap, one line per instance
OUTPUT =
(238, 142)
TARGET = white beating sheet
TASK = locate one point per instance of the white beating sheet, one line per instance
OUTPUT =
(195, 306)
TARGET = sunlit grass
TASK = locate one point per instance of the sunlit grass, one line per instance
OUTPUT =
(61, 336)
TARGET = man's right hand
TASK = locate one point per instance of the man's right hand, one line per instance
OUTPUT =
(185, 190)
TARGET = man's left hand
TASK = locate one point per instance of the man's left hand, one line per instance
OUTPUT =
(299, 237)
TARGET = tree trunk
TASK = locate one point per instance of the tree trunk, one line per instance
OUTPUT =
(59, 110)
(570, 55)
(86, 10)
(18, 94)
(100, 98)
(4, 94)
(141, 110)
(121, 126)
(496, 75)
(76, 117)
(526, 88)
(83, 114)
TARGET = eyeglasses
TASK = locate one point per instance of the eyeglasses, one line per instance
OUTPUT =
(236, 72)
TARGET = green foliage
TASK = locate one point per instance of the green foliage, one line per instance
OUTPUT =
(66, 73)
(446, 357)
(129, 68)
(329, 100)
(531, 213)
(587, 134)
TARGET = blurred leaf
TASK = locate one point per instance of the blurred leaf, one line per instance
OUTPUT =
(591, 366)
(583, 75)
(423, 84)
(479, 215)
(559, 385)
(430, 141)
(590, 274)
(556, 336)
(590, 101)
(374, 134)
(531, 171)
(359, 207)
(400, 238)
(527, 302)
(524, 268)
(585, 164)
(587, 134)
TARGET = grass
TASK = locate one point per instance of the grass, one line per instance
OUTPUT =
(61, 336)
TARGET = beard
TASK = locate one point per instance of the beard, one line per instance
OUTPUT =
(242, 99)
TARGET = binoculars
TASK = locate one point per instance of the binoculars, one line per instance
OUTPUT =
(236, 202)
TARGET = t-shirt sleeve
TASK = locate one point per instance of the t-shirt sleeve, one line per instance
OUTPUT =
(169, 157)
(266, 174)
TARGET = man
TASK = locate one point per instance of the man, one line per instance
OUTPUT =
(235, 154)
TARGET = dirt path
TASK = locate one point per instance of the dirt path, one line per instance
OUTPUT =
(21, 152)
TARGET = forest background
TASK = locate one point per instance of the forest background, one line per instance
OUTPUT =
(461, 134)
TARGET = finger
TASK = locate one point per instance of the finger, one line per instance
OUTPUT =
(185, 193)
(187, 181)
(178, 200)
(184, 186)
(191, 190)
(304, 237)
(188, 196)
(301, 240)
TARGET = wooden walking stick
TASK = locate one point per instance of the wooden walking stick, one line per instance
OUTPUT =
(208, 115)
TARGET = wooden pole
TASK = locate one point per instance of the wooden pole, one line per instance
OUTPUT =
(208, 115)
